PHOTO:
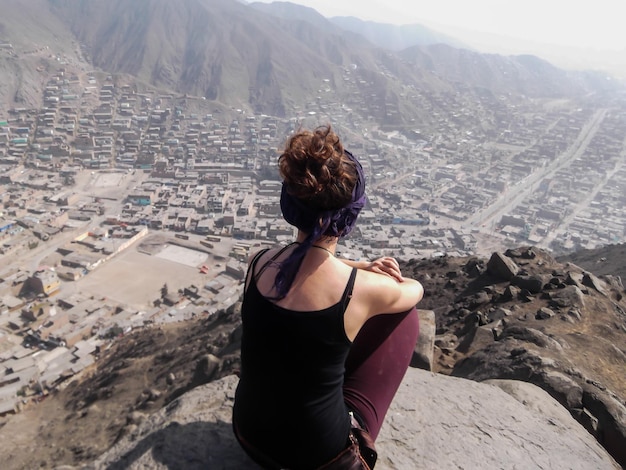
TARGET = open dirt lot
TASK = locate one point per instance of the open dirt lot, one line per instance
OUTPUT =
(183, 255)
(135, 278)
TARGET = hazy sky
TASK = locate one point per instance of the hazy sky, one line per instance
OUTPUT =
(586, 25)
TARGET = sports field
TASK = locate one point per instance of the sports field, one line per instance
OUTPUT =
(135, 279)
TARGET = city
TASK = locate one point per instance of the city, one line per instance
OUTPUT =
(123, 208)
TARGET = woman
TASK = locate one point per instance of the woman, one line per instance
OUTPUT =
(326, 342)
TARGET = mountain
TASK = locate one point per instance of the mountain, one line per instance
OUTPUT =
(34, 42)
(519, 315)
(273, 59)
(521, 75)
(385, 36)
(396, 37)
(293, 12)
(218, 49)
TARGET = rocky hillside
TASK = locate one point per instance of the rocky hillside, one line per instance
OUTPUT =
(519, 315)
(135, 377)
(523, 315)
(601, 261)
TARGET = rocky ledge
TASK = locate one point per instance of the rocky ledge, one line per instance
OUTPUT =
(523, 315)
(434, 422)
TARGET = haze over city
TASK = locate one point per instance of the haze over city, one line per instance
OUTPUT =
(575, 34)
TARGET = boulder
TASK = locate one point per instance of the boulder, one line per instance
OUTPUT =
(511, 293)
(544, 313)
(533, 284)
(569, 296)
(435, 421)
(531, 335)
(502, 267)
(592, 281)
(478, 338)
(424, 349)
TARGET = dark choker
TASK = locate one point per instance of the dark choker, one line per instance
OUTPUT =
(317, 246)
(322, 248)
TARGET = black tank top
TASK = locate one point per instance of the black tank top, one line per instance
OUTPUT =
(289, 402)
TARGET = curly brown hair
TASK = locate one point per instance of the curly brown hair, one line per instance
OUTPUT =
(316, 170)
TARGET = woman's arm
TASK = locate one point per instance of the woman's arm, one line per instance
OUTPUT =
(391, 296)
(385, 265)
(377, 293)
(380, 293)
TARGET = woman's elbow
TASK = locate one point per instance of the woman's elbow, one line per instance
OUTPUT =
(409, 294)
(414, 291)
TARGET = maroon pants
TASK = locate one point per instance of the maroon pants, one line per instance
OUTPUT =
(376, 364)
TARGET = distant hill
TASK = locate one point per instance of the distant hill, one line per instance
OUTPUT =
(386, 36)
(35, 41)
(272, 59)
(396, 37)
(297, 13)
(610, 259)
(521, 75)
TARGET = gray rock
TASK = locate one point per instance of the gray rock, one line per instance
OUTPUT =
(592, 281)
(544, 313)
(502, 267)
(474, 267)
(511, 293)
(480, 298)
(533, 284)
(570, 296)
(498, 314)
(531, 335)
(206, 368)
(564, 389)
(611, 415)
(435, 421)
(478, 338)
(192, 432)
(448, 340)
(423, 355)
(613, 281)
(575, 279)
(534, 398)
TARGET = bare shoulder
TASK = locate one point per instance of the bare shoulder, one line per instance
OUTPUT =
(384, 294)
(375, 284)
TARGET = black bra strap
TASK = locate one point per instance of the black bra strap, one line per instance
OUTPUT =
(253, 264)
(347, 293)
(270, 261)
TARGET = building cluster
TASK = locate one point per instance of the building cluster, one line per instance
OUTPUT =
(103, 165)
(580, 205)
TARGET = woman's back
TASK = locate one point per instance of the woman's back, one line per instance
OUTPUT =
(319, 282)
(289, 400)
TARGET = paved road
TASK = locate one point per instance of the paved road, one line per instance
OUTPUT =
(582, 205)
(515, 195)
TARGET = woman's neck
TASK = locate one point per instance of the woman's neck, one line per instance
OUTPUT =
(326, 243)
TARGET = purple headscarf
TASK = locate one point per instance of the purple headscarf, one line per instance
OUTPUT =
(331, 223)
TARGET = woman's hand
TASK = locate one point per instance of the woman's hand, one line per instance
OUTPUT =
(386, 265)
